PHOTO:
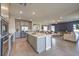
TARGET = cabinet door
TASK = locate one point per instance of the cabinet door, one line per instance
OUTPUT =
(48, 42)
(41, 45)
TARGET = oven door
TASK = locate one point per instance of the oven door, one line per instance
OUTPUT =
(4, 45)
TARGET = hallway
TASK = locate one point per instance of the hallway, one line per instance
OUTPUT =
(59, 48)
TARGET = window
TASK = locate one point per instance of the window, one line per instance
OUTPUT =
(45, 28)
(24, 28)
(53, 28)
(76, 27)
(36, 27)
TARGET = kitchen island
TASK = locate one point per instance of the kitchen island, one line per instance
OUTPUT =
(40, 42)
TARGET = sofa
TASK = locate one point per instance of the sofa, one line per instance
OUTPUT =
(70, 36)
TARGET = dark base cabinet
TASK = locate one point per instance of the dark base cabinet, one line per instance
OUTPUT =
(20, 34)
(17, 35)
(23, 34)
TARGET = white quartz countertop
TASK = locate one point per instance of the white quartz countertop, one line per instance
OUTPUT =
(39, 35)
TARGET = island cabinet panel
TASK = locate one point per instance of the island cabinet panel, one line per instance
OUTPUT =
(48, 42)
(38, 44)
(41, 44)
(33, 42)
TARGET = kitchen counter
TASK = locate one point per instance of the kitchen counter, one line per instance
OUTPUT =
(39, 35)
(40, 42)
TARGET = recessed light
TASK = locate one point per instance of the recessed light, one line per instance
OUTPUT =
(20, 12)
(31, 19)
(61, 17)
(33, 13)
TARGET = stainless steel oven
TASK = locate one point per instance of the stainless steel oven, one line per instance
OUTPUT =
(3, 37)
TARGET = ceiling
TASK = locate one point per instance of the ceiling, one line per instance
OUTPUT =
(42, 11)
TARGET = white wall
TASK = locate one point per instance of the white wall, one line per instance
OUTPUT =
(11, 25)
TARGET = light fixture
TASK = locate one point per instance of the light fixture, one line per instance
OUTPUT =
(33, 13)
(60, 17)
(20, 12)
(31, 19)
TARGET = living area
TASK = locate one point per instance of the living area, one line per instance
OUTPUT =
(29, 29)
